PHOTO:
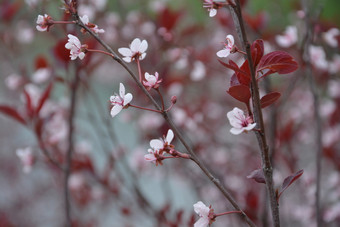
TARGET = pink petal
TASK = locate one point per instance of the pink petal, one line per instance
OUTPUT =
(156, 144)
(126, 52)
(169, 136)
(223, 53)
(127, 98)
(143, 46)
(115, 110)
(135, 45)
(121, 90)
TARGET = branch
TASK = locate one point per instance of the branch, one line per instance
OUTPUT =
(260, 135)
(68, 163)
(167, 118)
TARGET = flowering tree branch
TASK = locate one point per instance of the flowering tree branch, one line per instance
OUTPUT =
(167, 118)
(260, 135)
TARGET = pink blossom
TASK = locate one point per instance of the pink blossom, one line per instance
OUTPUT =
(204, 212)
(198, 72)
(13, 81)
(228, 46)
(75, 47)
(330, 37)
(136, 51)
(26, 157)
(158, 146)
(334, 65)
(212, 6)
(288, 38)
(318, 57)
(93, 27)
(152, 81)
(120, 101)
(43, 23)
(239, 121)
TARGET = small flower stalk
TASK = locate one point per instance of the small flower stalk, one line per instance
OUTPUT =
(136, 51)
(77, 50)
(240, 122)
(229, 47)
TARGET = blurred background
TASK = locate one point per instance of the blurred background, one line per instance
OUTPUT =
(111, 184)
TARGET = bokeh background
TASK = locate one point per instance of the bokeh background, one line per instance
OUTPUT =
(111, 184)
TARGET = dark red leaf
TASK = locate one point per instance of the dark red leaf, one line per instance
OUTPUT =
(257, 50)
(168, 18)
(258, 176)
(233, 66)
(61, 52)
(288, 181)
(43, 98)
(277, 62)
(269, 99)
(41, 62)
(13, 113)
(240, 92)
(244, 78)
(29, 107)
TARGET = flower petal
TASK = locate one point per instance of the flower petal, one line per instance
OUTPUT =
(121, 90)
(126, 52)
(115, 110)
(223, 53)
(127, 98)
(212, 12)
(156, 144)
(169, 136)
(236, 131)
(135, 45)
(143, 46)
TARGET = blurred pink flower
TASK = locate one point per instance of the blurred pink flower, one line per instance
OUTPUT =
(330, 37)
(93, 27)
(120, 101)
(318, 57)
(228, 46)
(43, 23)
(75, 47)
(136, 51)
(152, 81)
(204, 212)
(239, 121)
(26, 157)
(288, 38)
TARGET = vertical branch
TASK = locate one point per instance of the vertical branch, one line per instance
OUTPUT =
(68, 163)
(260, 135)
(316, 104)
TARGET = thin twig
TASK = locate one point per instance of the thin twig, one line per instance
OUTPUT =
(261, 136)
(68, 163)
(167, 118)
(307, 42)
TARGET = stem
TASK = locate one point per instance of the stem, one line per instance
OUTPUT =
(99, 51)
(143, 108)
(167, 118)
(70, 150)
(64, 22)
(160, 95)
(261, 138)
(228, 212)
(139, 70)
